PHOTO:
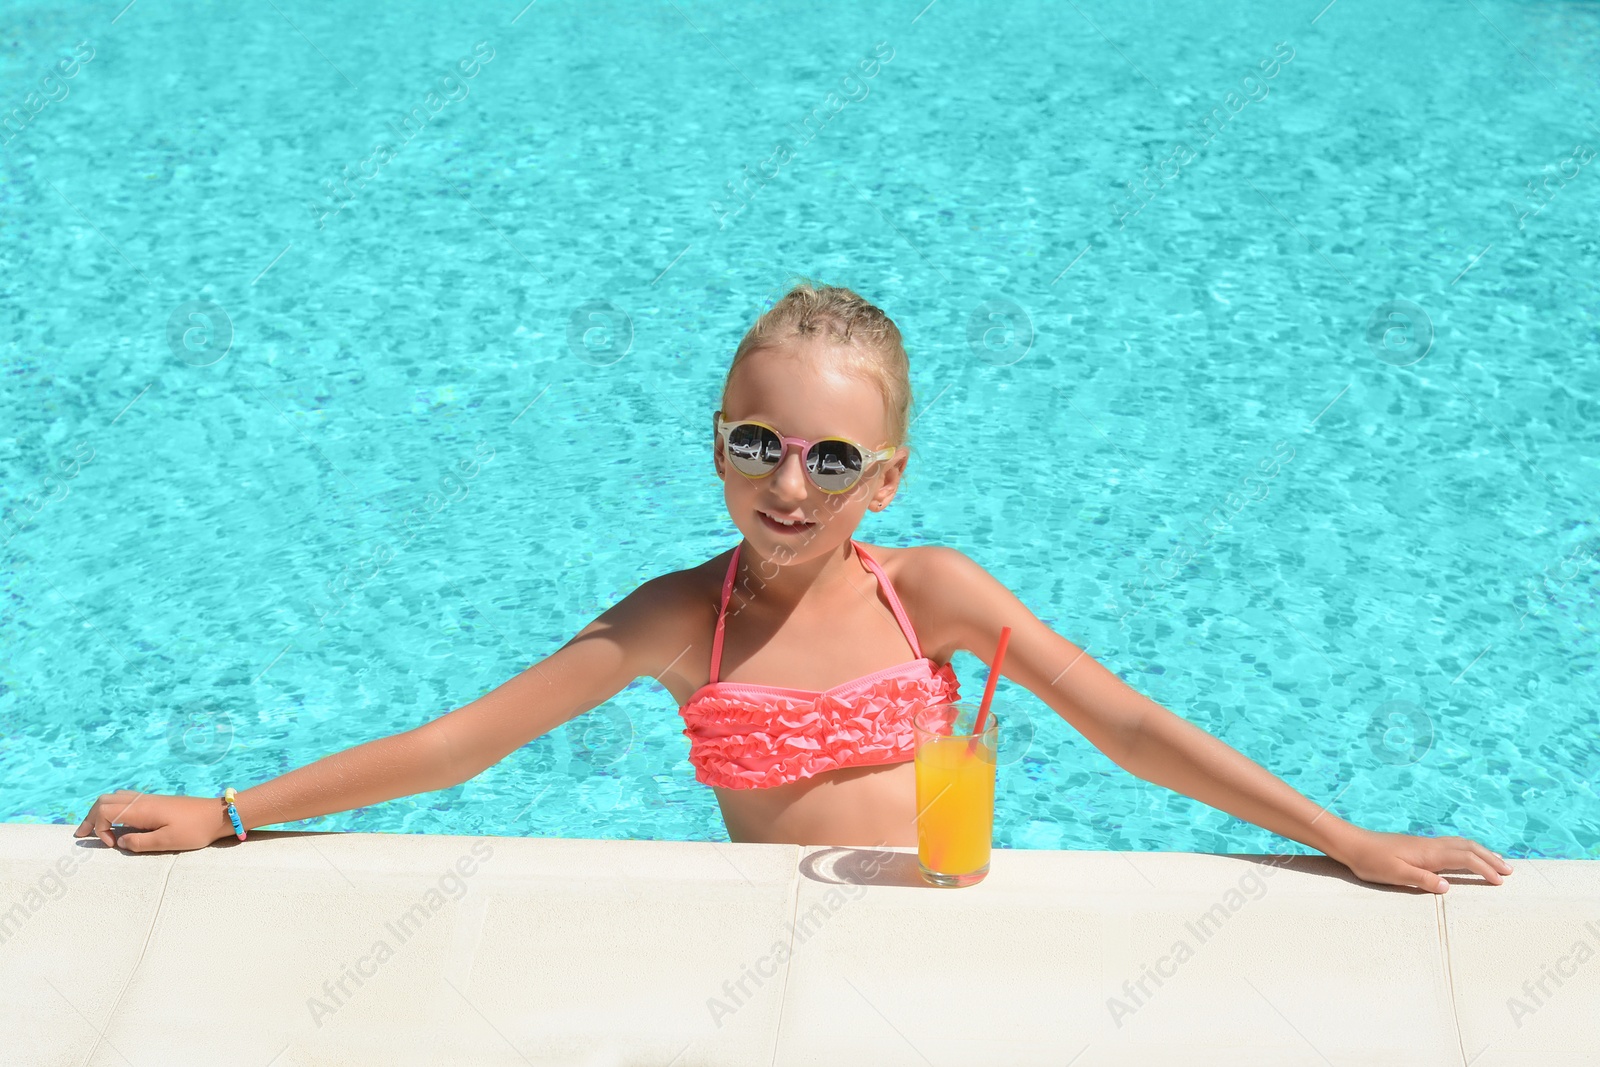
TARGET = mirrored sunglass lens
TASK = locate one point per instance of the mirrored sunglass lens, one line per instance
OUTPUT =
(754, 449)
(834, 464)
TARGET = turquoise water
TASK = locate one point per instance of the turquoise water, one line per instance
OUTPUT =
(1297, 434)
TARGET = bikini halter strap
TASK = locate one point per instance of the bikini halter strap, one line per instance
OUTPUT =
(872, 565)
(900, 615)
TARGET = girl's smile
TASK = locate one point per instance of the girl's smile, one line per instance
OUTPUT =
(788, 524)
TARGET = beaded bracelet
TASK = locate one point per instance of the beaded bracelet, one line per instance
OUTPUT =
(233, 812)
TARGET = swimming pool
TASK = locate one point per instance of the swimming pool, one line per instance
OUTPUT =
(1254, 348)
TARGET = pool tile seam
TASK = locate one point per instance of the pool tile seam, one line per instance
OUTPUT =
(149, 935)
(1441, 906)
(788, 958)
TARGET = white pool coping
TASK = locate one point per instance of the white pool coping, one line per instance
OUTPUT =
(501, 950)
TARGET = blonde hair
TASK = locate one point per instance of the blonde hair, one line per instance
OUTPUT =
(868, 342)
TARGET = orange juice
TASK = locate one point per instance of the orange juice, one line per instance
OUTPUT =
(955, 802)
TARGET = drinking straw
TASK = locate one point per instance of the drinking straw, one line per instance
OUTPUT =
(988, 690)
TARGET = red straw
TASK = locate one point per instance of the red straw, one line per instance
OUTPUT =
(988, 690)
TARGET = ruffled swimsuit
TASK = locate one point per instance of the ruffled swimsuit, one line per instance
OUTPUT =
(745, 736)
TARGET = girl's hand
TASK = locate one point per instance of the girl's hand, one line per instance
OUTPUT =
(1400, 859)
(168, 824)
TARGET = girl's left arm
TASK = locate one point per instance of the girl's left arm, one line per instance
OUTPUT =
(1147, 740)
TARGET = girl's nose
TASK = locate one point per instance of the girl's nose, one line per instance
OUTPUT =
(790, 477)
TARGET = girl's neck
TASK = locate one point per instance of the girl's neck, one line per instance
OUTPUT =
(781, 587)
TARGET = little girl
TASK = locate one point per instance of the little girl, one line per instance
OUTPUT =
(787, 655)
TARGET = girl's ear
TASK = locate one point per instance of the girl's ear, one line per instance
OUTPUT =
(716, 456)
(892, 473)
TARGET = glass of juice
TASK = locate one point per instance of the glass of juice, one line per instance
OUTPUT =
(955, 792)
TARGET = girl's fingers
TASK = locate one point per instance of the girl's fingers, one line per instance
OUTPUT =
(90, 827)
(102, 828)
(1494, 859)
(95, 823)
(87, 826)
(125, 799)
(1423, 879)
(149, 841)
(1469, 860)
(1488, 858)
(104, 814)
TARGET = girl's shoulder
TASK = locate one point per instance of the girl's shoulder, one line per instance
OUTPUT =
(914, 565)
(695, 590)
(945, 594)
(918, 573)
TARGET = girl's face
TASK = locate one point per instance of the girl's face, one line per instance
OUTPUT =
(800, 390)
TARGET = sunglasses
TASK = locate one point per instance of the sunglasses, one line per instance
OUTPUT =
(833, 464)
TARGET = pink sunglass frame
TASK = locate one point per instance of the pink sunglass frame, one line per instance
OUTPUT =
(870, 456)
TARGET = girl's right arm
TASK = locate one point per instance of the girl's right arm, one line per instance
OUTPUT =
(643, 635)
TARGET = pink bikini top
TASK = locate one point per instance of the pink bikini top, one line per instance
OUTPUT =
(745, 736)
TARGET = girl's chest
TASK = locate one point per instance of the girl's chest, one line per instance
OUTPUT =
(832, 643)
